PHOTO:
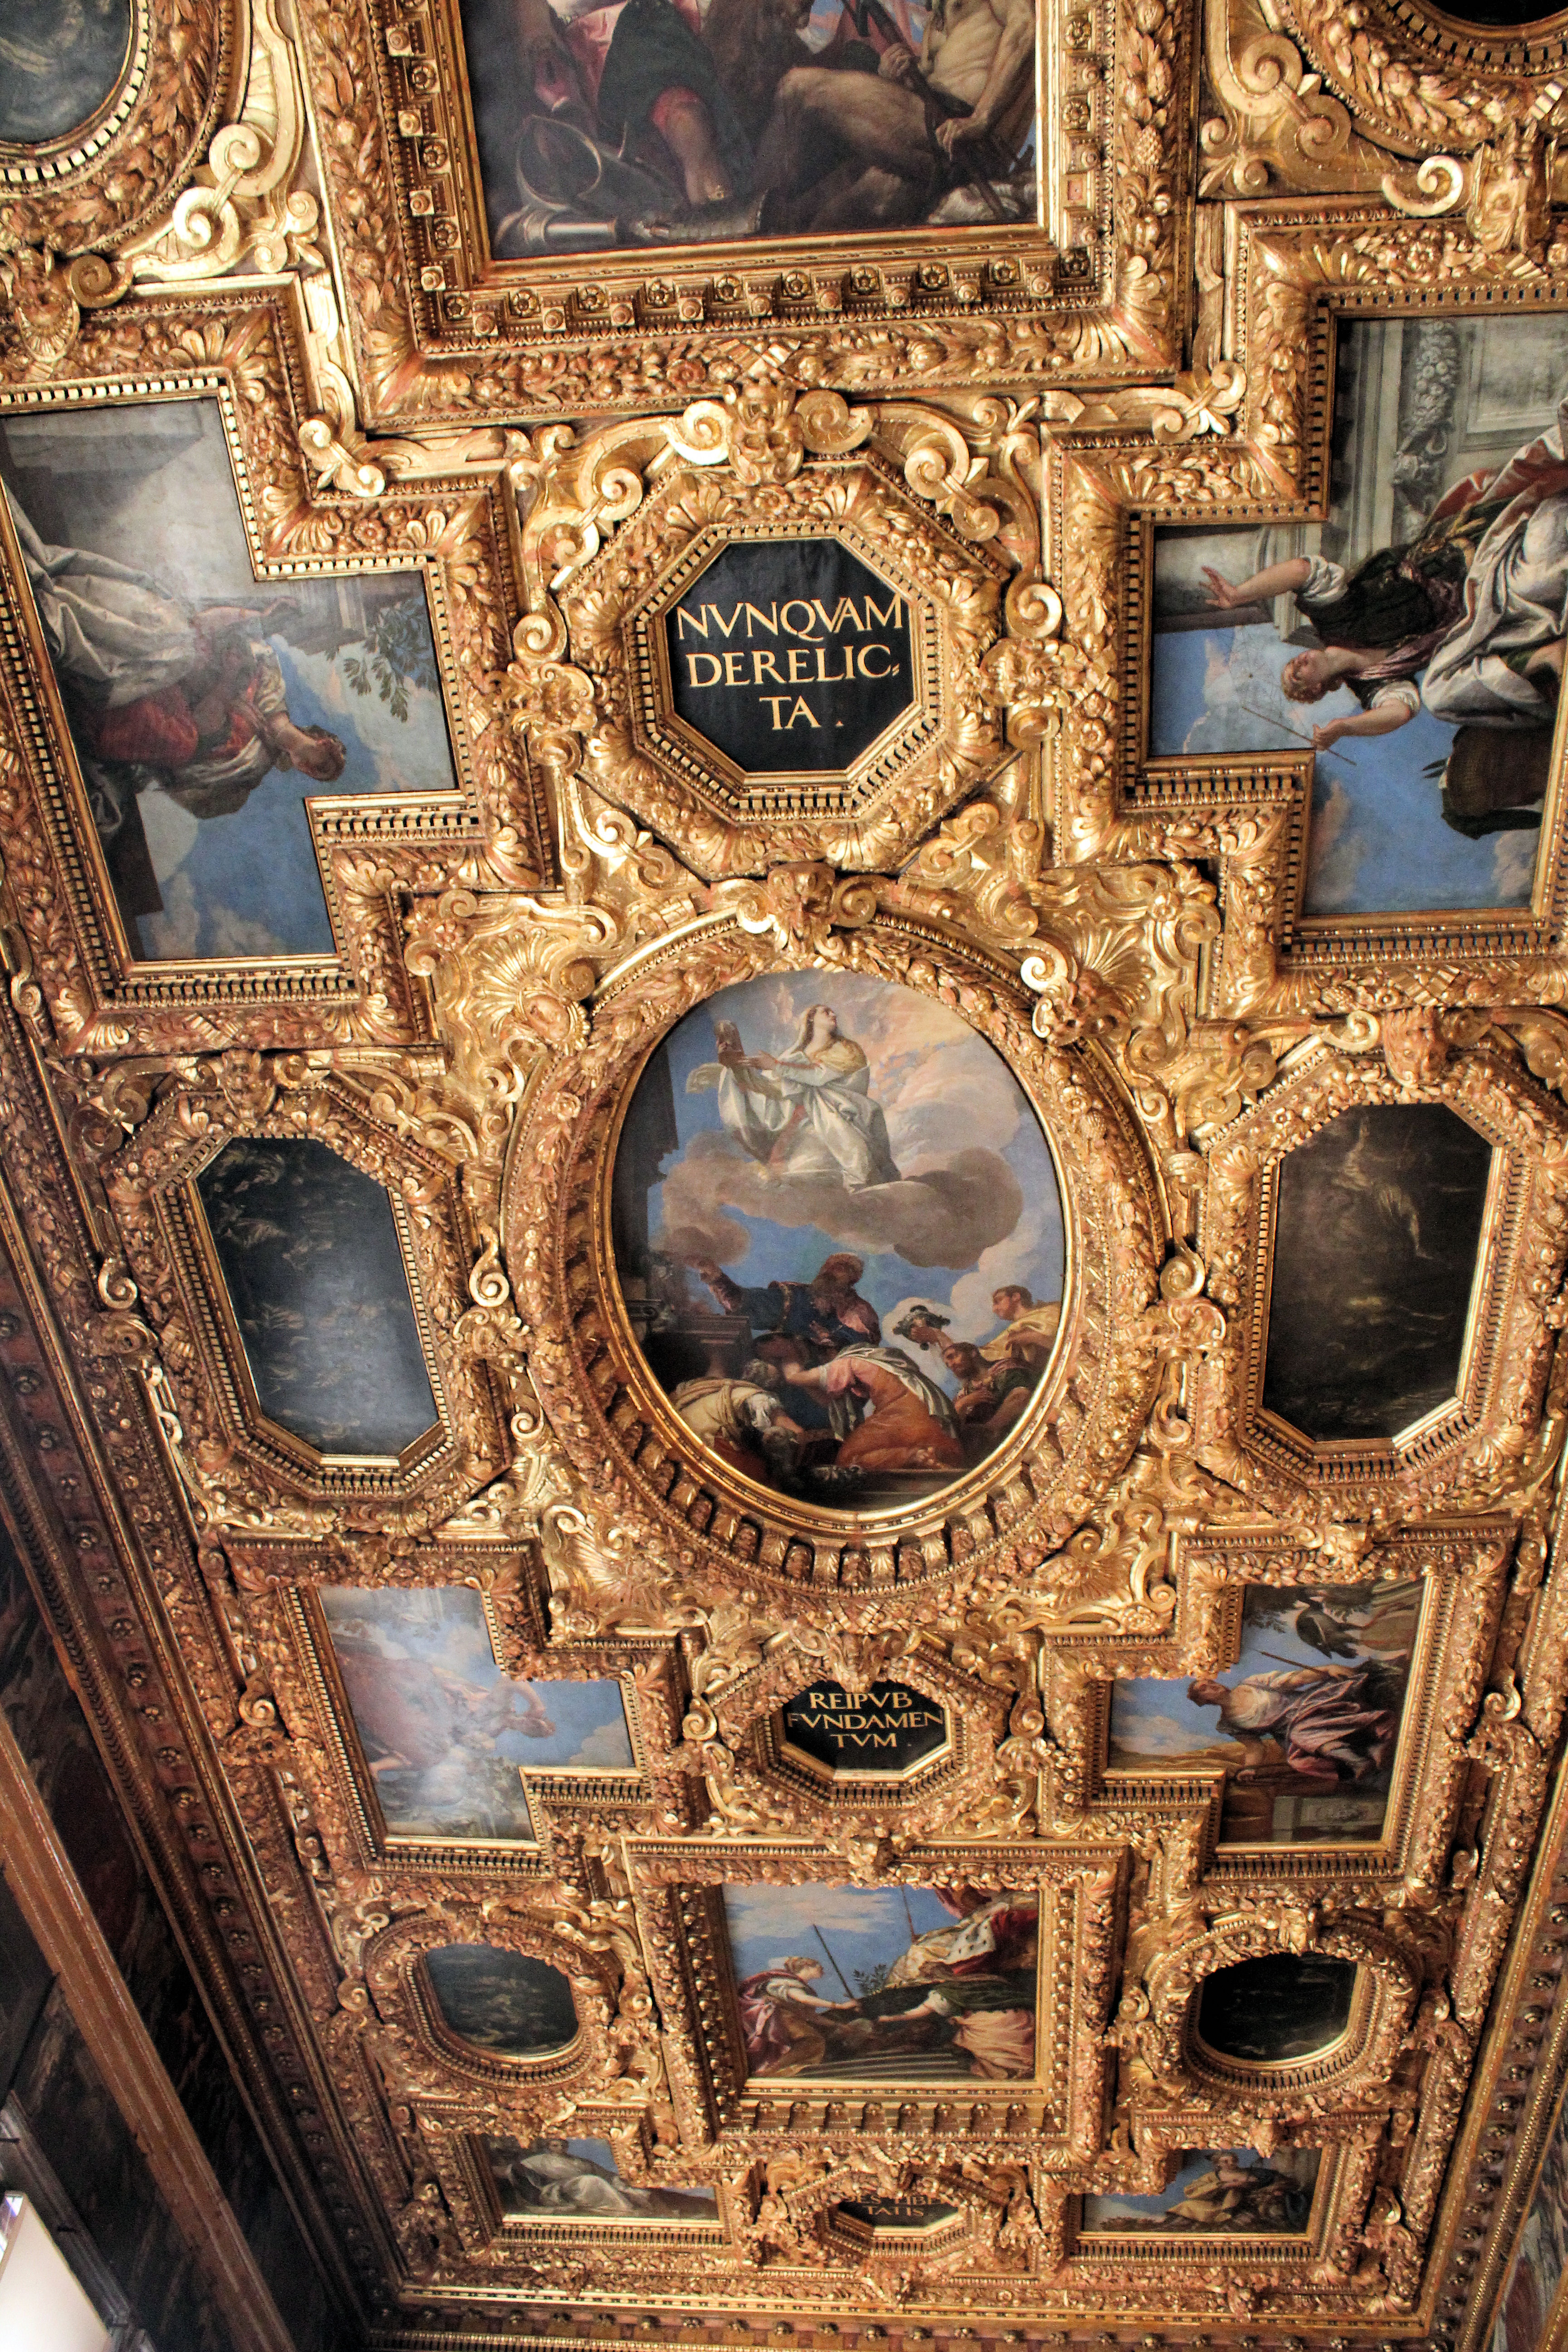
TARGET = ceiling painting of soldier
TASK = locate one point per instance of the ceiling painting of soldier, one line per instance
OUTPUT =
(671, 123)
(885, 1984)
(1305, 1726)
(504, 2001)
(207, 708)
(310, 1252)
(1218, 2192)
(1414, 640)
(61, 61)
(579, 2180)
(1383, 1207)
(1277, 2009)
(446, 1736)
(838, 1237)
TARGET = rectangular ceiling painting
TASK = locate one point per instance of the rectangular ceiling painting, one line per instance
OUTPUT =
(1305, 1725)
(1218, 2192)
(579, 2180)
(885, 1984)
(1434, 739)
(659, 122)
(446, 1736)
(205, 707)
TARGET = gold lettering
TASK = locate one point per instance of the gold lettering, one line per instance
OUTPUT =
(797, 604)
(764, 665)
(846, 672)
(719, 620)
(799, 665)
(801, 710)
(712, 659)
(685, 620)
(856, 622)
(866, 652)
(775, 703)
(883, 618)
(734, 664)
(768, 620)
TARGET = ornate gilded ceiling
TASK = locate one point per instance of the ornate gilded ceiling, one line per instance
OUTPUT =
(785, 1173)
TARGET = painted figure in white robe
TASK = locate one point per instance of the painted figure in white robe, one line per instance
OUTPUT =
(1479, 603)
(808, 1113)
(162, 698)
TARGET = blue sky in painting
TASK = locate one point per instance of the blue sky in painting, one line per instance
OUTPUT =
(862, 1926)
(1152, 1715)
(912, 1044)
(1378, 842)
(445, 1630)
(248, 884)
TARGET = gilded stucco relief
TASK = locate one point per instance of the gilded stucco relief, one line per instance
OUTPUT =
(784, 1220)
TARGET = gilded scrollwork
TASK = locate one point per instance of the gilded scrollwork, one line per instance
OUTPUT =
(283, 217)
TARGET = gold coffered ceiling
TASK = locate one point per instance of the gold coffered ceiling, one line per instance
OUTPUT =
(785, 1178)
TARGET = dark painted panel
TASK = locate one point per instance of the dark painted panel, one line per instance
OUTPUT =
(309, 1249)
(1282, 2006)
(1374, 1254)
(60, 63)
(505, 2001)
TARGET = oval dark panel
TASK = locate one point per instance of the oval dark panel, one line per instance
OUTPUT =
(59, 61)
(1503, 15)
(503, 2001)
(1277, 2008)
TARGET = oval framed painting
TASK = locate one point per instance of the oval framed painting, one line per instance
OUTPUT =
(836, 1227)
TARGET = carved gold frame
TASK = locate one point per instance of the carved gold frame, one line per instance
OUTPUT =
(1292, 273)
(248, 351)
(561, 1800)
(1332, 2192)
(227, 1445)
(1465, 1580)
(717, 2099)
(604, 1404)
(1450, 1457)
(442, 330)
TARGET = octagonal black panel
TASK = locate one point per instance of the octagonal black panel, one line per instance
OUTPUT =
(1277, 2008)
(790, 654)
(1375, 1233)
(878, 2214)
(888, 1728)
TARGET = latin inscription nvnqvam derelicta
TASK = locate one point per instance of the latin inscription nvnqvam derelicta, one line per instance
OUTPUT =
(790, 655)
(887, 1728)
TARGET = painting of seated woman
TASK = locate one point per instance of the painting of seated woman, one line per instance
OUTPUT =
(207, 710)
(838, 1237)
(638, 123)
(885, 1984)
(1414, 640)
